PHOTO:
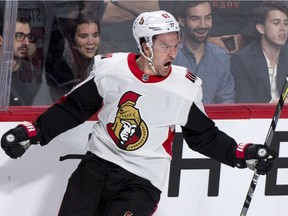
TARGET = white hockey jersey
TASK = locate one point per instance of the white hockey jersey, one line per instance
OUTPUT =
(137, 122)
(138, 116)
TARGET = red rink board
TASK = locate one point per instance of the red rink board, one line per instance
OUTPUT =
(231, 111)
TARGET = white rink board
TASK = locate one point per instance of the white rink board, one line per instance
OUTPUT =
(34, 184)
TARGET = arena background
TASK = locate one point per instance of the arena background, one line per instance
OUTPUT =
(197, 186)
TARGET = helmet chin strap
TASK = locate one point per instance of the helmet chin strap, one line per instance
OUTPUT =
(149, 59)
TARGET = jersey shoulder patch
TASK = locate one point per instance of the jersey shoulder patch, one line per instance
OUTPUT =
(190, 76)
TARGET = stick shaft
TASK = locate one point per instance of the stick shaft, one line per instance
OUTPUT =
(267, 142)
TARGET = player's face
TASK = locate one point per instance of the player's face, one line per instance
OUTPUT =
(197, 23)
(275, 28)
(20, 48)
(87, 39)
(165, 49)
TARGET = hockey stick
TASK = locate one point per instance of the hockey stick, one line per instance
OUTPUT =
(267, 143)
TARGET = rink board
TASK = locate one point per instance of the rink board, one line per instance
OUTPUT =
(34, 184)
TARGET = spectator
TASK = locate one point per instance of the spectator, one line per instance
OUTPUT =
(260, 69)
(70, 59)
(204, 59)
(232, 18)
(26, 79)
(38, 20)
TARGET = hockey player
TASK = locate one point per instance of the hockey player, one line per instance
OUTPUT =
(141, 99)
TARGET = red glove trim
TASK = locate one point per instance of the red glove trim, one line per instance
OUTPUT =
(30, 128)
(240, 150)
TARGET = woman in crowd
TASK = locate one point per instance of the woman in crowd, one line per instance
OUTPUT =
(70, 58)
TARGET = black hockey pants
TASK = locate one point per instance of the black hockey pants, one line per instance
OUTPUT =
(101, 188)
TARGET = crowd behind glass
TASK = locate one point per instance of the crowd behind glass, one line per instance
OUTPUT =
(55, 42)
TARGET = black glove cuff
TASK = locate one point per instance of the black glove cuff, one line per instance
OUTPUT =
(37, 139)
(34, 139)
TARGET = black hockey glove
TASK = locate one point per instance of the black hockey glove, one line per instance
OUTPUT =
(17, 140)
(257, 157)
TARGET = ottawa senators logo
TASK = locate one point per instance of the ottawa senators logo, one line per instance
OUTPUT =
(128, 131)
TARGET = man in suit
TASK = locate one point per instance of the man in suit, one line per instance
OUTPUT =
(260, 69)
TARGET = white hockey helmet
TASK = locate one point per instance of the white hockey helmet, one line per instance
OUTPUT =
(148, 24)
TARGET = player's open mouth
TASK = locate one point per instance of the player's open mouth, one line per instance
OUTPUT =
(167, 65)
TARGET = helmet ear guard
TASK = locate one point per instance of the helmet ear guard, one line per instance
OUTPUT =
(149, 24)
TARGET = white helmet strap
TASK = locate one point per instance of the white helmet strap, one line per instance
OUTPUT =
(149, 59)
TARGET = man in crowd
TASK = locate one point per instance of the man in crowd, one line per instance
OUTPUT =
(204, 59)
(26, 79)
(260, 69)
